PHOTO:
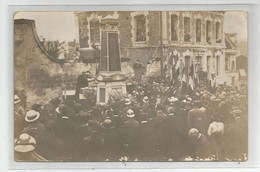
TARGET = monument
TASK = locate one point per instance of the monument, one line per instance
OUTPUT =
(110, 78)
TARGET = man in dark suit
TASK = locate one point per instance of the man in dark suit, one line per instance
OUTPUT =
(197, 118)
(64, 131)
(199, 144)
(82, 81)
(129, 133)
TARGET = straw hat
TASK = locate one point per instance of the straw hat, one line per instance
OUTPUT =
(32, 116)
(145, 99)
(188, 98)
(25, 143)
(193, 132)
(16, 99)
(130, 113)
(107, 124)
(127, 101)
(172, 99)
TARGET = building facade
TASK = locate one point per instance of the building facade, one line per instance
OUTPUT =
(194, 36)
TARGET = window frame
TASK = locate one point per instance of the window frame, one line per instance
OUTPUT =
(177, 23)
(90, 41)
(187, 14)
(208, 34)
(134, 29)
(217, 20)
(196, 30)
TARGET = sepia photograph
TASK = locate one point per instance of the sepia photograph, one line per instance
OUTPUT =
(130, 86)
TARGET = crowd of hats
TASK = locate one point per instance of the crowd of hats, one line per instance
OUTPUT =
(137, 125)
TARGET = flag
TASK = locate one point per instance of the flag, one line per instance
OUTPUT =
(213, 82)
(177, 65)
(181, 66)
(191, 83)
(191, 70)
(184, 79)
(177, 73)
(171, 59)
(176, 58)
(183, 84)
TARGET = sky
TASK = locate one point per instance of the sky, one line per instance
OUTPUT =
(52, 25)
(61, 25)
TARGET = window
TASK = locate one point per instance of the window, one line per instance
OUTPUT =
(187, 29)
(226, 63)
(198, 30)
(208, 31)
(233, 65)
(218, 33)
(102, 95)
(83, 34)
(94, 32)
(174, 26)
(214, 64)
(208, 63)
(140, 28)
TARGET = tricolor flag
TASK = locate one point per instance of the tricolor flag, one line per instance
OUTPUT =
(184, 79)
(191, 70)
(177, 65)
(191, 83)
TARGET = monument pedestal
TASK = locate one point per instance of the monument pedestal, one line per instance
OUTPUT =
(110, 83)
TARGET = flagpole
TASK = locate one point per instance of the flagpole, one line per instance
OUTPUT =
(161, 43)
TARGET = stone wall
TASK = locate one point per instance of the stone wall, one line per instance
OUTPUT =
(38, 74)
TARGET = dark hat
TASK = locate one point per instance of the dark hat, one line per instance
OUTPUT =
(93, 124)
(35, 107)
(78, 106)
(62, 110)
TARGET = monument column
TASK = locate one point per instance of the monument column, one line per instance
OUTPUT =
(110, 78)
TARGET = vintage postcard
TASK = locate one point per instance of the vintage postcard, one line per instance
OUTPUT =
(130, 86)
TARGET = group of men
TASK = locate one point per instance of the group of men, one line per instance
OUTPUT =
(154, 122)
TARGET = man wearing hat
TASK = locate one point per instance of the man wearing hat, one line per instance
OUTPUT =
(198, 144)
(147, 106)
(131, 122)
(25, 149)
(82, 82)
(81, 116)
(49, 114)
(128, 104)
(160, 116)
(197, 118)
(38, 131)
(111, 136)
(129, 132)
(64, 131)
(235, 137)
(18, 116)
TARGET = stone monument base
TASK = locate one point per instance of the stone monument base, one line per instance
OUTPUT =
(110, 83)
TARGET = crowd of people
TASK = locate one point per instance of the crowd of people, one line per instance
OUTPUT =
(155, 121)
